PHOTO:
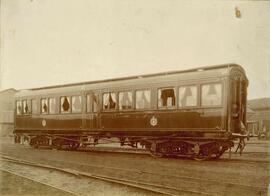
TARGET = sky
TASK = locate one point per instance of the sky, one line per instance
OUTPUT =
(45, 42)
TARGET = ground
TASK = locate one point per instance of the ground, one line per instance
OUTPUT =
(246, 174)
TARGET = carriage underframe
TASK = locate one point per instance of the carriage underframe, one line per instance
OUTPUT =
(196, 147)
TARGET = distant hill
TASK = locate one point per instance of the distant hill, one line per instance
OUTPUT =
(259, 104)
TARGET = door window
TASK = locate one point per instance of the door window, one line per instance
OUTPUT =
(95, 102)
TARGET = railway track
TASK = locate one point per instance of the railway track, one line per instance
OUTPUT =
(235, 160)
(163, 189)
(143, 152)
(66, 192)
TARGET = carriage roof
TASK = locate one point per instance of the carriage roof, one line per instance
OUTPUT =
(195, 73)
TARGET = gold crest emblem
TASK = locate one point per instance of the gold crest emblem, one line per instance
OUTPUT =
(43, 122)
(153, 121)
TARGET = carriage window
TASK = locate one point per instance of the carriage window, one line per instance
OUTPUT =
(88, 109)
(34, 106)
(125, 100)
(19, 107)
(76, 104)
(143, 99)
(95, 102)
(211, 94)
(188, 96)
(109, 101)
(26, 106)
(29, 105)
(44, 106)
(166, 97)
(65, 104)
(52, 105)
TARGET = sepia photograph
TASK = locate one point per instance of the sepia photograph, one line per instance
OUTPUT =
(135, 97)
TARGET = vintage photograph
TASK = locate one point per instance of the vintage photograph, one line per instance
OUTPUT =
(135, 97)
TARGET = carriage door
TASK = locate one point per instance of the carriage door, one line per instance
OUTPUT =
(92, 110)
(238, 103)
(94, 120)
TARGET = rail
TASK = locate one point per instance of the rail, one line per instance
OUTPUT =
(147, 186)
(163, 190)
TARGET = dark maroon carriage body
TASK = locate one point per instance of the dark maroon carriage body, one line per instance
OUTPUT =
(198, 120)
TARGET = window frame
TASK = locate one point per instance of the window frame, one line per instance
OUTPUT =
(60, 105)
(176, 98)
(86, 103)
(71, 104)
(40, 108)
(222, 95)
(29, 107)
(91, 102)
(116, 102)
(55, 106)
(37, 110)
(197, 98)
(135, 99)
(132, 100)
(17, 108)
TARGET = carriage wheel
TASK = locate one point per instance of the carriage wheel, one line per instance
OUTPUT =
(222, 150)
(57, 144)
(209, 151)
(74, 145)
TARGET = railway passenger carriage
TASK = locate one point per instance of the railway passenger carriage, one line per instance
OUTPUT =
(195, 113)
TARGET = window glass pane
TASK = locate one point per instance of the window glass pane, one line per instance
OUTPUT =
(88, 109)
(76, 104)
(26, 106)
(19, 107)
(95, 102)
(143, 99)
(188, 96)
(44, 106)
(211, 94)
(65, 104)
(166, 97)
(34, 106)
(29, 105)
(125, 100)
(109, 101)
(52, 104)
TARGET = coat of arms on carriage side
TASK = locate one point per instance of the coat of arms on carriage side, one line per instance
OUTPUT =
(153, 121)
